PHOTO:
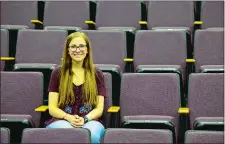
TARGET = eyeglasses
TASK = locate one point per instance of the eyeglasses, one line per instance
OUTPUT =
(80, 47)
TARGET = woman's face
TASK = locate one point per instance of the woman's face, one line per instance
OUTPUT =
(78, 49)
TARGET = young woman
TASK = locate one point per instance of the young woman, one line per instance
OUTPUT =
(77, 90)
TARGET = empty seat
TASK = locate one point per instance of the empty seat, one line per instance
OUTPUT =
(118, 14)
(206, 98)
(197, 137)
(160, 51)
(72, 17)
(121, 16)
(160, 48)
(40, 46)
(212, 14)
(109, 51)
(17, 14)
(209, 47)
(5, 135)
(19, 88)
(150, 100)
(44, 135)
(172, 14)
(4, 47)
(39, 50)
(108, 47)
(21, 93)
(137, 136)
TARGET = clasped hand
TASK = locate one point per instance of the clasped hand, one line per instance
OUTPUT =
(77, 121)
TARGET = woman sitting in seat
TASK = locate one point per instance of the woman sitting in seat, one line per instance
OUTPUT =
(77, 90)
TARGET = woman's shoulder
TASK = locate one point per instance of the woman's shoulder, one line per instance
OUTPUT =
(98, 71)
(56, 71)
(99, 75)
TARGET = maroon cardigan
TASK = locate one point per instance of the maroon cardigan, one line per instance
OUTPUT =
(78, 108)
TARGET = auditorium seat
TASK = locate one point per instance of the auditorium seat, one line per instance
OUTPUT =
(121, 16)
(205, 100)
(108, 47)
(109, 52)
(16, 15)
(212, 14)
(118, 14)
(171, 14)
(203, 137)
(4, 49)
(5, 135)
(160, 52)
(121, 135)
(21, 93)
(69, 15)
(56, 135)
(39, 50)
(150, 101)
(209, 48)
(40, 46)
(162, 49)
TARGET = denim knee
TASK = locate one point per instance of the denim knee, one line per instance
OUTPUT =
(97, 130)
(95, 138)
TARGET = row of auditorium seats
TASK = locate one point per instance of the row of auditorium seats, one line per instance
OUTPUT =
(147, 101)
(112, 136)
(78, 15)
(154, 51)
(151, 47)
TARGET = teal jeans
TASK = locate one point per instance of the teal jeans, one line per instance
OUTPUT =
(96, 128)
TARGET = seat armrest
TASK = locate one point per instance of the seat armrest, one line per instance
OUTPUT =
(190, 68)
(7, 58)
(197, 25)
(143, 25)
(38, 24)
(128, 60)
(91, 24)
(42, 108)
(115, 111)
(198, 22)
(183, 110)
(128, 64)
(184, 121)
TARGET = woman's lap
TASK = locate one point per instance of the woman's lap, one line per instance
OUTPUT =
(96, 128)
(60, 124)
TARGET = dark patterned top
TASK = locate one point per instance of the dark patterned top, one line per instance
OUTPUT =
(78, 108)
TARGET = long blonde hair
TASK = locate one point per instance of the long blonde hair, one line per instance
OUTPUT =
(66, 94)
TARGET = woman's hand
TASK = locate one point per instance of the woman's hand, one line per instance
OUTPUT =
(75, 120)
(71, 119)
(79, 122)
